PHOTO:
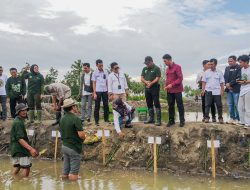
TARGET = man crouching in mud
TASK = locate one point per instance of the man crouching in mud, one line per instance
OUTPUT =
(21, 151)
(72, 136)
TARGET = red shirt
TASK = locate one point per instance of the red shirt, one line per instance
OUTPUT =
(174, 76)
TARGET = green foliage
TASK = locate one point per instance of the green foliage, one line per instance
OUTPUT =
(190, 92)
(73, 77)
(51, 77)
(134, 87)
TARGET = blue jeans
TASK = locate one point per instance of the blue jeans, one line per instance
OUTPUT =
(232, 102)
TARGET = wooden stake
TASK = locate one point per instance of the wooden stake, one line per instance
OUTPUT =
(103, 148)
(56, 144)
(155, 156)
(213, 157)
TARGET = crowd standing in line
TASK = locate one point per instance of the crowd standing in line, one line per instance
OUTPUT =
(102, 86)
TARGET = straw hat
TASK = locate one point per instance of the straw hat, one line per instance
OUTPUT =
(68, 103)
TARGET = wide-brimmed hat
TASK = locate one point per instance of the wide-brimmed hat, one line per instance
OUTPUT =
(68, 103)
(20, 107)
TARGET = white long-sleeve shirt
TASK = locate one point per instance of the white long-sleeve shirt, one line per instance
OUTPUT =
(114, 81)
(116, 118)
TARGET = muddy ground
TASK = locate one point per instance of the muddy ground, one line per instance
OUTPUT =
(183, 150)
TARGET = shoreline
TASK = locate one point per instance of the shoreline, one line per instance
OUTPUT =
(183, 150)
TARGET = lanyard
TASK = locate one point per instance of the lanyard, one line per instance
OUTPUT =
(118, 78)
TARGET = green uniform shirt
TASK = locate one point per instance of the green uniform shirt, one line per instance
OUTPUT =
(150, 74)
(69, 125)
(35, 82)
(15, 87)
(18, 131)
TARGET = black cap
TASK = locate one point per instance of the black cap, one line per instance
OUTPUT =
(112, 65)
(148, 59)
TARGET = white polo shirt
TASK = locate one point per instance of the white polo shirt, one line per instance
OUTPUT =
(245, 75)
(101, 78)
(3, 80)
(117, 83)
(213, 80)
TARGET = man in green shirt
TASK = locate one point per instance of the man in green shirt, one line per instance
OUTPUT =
(21, 151)
(150, 76)
(35, 91)
(72, 136)
(15, 89)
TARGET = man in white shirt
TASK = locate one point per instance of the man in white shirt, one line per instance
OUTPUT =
(85, 92)
(117, 83)
(213, 89)
(199, 82)
(100, 91)
(244, 99)
(123, 114)
(3, 96)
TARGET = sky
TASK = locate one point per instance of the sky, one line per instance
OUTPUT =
(55, 33)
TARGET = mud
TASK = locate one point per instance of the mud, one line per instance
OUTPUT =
(183, 150)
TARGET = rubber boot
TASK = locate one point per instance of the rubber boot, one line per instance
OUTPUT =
(39, 117)
(151, 116)
(158, 117)
(58, 117)
(31, 117)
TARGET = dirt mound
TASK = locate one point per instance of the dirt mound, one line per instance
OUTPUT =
(182, 149)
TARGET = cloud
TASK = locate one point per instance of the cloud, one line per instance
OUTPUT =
(124, 31)
(12, 28)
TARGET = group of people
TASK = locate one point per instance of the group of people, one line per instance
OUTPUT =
(235, 82)
(100, 85)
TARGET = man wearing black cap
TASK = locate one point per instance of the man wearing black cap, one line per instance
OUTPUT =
(150, 76)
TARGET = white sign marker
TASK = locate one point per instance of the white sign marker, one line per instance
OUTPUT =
(150, 140)
(54, 134)
(30, 132)
(99, 133)
(106, 133)
(216, 144)
(158, 140)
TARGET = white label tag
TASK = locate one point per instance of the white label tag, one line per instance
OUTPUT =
(216, 144)
(99, 133)
(54, 134)
(158, 140)
(150, 140)
(30, 132)
(106, 133)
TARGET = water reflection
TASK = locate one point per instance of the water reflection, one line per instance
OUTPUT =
(45, 175)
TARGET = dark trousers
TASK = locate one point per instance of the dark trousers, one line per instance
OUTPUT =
(34, 101)
(209, 99)
(171, 98)
(104, 97)
(13, 102)
(213, 110)
(152, 97)
(3, 99)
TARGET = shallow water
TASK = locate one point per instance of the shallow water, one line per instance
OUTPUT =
(45, 175)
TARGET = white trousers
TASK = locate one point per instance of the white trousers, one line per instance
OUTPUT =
(244, 109)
